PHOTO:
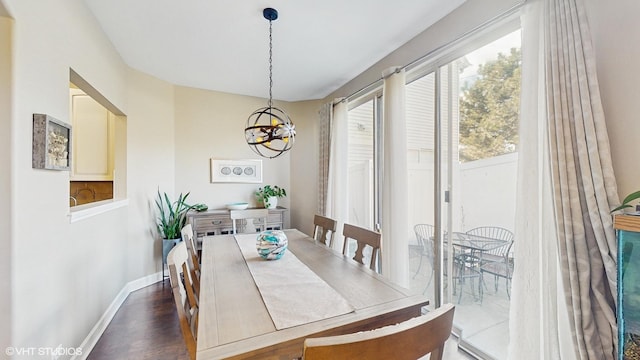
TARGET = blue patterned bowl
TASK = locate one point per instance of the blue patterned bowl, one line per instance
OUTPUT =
(271, 244)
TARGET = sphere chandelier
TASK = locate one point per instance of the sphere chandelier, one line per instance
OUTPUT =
(269, 131)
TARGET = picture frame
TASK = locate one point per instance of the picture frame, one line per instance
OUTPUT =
(236, 171)
(51, 143)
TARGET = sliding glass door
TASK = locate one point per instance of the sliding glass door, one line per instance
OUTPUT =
(363, 162)
(462, 136)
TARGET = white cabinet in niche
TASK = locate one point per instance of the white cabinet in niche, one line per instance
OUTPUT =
(92, 140)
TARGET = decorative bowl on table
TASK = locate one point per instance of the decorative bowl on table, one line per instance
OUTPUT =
(238, 206)
(271, 244)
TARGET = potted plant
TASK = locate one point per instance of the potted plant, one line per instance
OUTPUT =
(269, 195)
(625, 203)
(171, 219)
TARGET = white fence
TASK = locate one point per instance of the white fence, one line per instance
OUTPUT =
(483, 193)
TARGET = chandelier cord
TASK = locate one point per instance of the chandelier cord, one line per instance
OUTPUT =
(270, 63)
(269, 131)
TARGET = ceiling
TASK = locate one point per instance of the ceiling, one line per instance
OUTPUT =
(223, 45)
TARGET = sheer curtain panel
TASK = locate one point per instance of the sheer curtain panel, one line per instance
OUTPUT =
(395, 181)
(538, 315)
(337, 206)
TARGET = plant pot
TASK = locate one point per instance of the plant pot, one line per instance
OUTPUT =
(167, 245)
(271, 203)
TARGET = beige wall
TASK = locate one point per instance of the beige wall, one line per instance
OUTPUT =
(304, 164)
(211, 124)
(616, 38)
(150, 166)
(65, 275)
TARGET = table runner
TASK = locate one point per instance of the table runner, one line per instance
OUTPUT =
(293, 293)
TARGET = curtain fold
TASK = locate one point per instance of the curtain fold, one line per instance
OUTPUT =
(337, 204)
(583, 180)
(395, 182)
(324, 152)
(538, 313)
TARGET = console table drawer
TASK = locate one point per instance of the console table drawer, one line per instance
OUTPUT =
(218, 222)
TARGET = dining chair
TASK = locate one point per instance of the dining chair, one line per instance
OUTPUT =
(408, 340)
(194, 259)
(249, 215)
(363, 237)
(497, 262)
(324, 228)
(184, 296)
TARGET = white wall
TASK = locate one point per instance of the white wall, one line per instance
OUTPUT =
(65, 275)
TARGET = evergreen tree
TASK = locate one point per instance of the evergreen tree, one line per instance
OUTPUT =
(489, 109)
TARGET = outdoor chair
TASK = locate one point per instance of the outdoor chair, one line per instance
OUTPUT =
(465, 266)
(497, 262)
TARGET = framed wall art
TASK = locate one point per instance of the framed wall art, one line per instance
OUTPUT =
(236, 171)
(51, 146)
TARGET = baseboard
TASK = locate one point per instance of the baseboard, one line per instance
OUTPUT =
(94, 335)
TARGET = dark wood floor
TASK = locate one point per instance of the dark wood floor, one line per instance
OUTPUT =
(145, 327)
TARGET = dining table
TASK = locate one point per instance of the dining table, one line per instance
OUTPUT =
(252, 308)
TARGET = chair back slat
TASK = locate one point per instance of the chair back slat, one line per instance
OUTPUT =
(363, 237)
(408, 340)
(184, 295)
(324, 228)
(250, 214)
(194, 259)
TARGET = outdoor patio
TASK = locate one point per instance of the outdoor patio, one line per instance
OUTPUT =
(482, 326)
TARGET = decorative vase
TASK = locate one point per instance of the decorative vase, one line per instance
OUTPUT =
(271, 202)
(271, 244)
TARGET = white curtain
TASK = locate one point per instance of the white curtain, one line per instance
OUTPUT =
(538, 314)
(337, 204)
(395, 182)
(564, 278)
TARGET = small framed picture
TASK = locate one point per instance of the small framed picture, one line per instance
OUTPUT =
(236, 171)
(51, 147)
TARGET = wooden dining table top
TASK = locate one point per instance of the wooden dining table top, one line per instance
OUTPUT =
(235, 323)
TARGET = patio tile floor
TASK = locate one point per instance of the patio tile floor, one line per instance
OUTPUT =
(484, 325)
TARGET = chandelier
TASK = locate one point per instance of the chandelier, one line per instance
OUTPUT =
(269, 131)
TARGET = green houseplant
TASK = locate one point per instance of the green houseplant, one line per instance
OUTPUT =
(625, 203)
(269, 195)
(172, 216)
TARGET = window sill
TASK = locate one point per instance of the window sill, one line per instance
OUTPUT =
(82, 212)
